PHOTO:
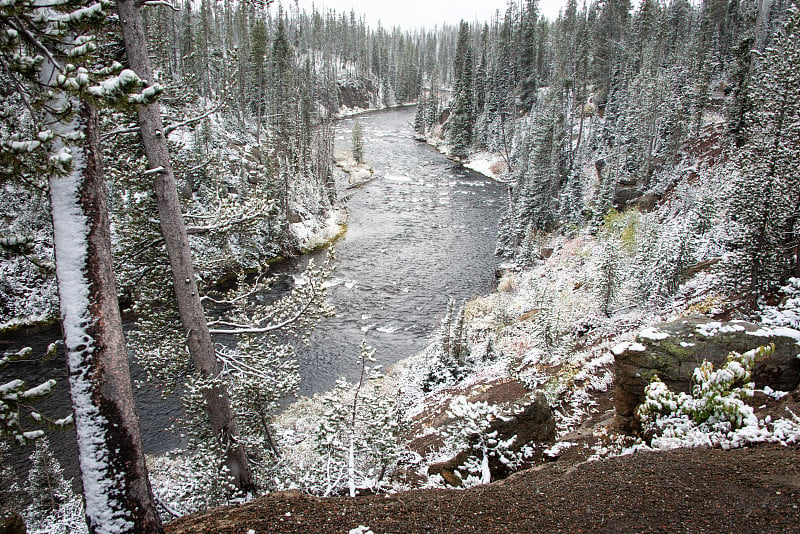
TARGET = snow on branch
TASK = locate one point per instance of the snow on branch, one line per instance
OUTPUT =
(168, 129)
(288, 314)
(154, 3)
(172, 127)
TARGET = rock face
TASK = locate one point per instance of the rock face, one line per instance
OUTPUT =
(533, 423)
(357, 93)
(624, 194)
(673, 350)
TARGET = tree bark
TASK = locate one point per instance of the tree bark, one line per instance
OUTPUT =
(176, 240)
(116, 489)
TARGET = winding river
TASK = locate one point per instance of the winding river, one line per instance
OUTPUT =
(420, 233)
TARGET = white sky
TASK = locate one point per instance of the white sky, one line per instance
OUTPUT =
(416, 13)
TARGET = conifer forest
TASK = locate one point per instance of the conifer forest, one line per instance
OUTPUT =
(165, 163)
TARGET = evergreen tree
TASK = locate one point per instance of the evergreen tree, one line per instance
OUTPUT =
(765, 192)
(462, 116)
(358, 142)
(358, 438)
(609, 274)
(47, 487)
(58, 87)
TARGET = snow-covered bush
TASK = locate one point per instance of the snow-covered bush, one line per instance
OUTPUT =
(715, 413)
(192, 480)
(470, 429)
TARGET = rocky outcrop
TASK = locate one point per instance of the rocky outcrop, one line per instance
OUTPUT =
(673, 350)
(625, 193)
(357, 93)
(534, 422)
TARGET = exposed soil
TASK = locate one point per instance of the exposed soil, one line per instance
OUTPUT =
(688, 490)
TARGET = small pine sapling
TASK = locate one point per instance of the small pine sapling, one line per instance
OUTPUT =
(358, 142)
(358, 438)
(609, 274)
(471, 429)
(449, 361)
(54, 507)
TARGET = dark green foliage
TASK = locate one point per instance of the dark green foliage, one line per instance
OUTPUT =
(763, 206)
(358, 142)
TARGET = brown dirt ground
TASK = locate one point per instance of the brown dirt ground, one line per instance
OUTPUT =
(689, 490)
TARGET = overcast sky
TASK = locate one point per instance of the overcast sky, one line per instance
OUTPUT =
(414, 13)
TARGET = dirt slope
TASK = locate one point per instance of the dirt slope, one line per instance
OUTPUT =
(688, 490)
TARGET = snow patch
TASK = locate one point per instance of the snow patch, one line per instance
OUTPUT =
(781, 331)
(653, 334)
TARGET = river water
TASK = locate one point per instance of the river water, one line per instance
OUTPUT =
(420, 233)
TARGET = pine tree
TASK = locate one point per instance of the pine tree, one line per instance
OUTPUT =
(176, 240)
(47, 487)
(358, 439)
(462, 116)
(358, 142)
(58, 87)
(609, 274)
(765, 193)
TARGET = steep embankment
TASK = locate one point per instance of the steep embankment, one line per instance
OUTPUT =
(687, 490)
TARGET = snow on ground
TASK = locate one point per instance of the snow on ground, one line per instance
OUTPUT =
(310, 235)
(487, 164)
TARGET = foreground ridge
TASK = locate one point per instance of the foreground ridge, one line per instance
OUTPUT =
(693, 490)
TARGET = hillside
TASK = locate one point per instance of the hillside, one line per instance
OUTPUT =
(686, 490)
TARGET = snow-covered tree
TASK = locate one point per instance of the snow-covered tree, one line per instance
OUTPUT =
(47, 54)
(47, 487)
(358, 142)
(448, 357)
(471, 428)
(358, 440)
(173, 230)
(609, 271)
(765, 185)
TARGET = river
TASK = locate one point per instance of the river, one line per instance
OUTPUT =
(422, 232)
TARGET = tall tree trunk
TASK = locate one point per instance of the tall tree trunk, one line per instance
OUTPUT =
(176, 241)
(116, 489)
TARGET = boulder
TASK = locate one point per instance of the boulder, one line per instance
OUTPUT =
(534, 422)
(673, 350)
